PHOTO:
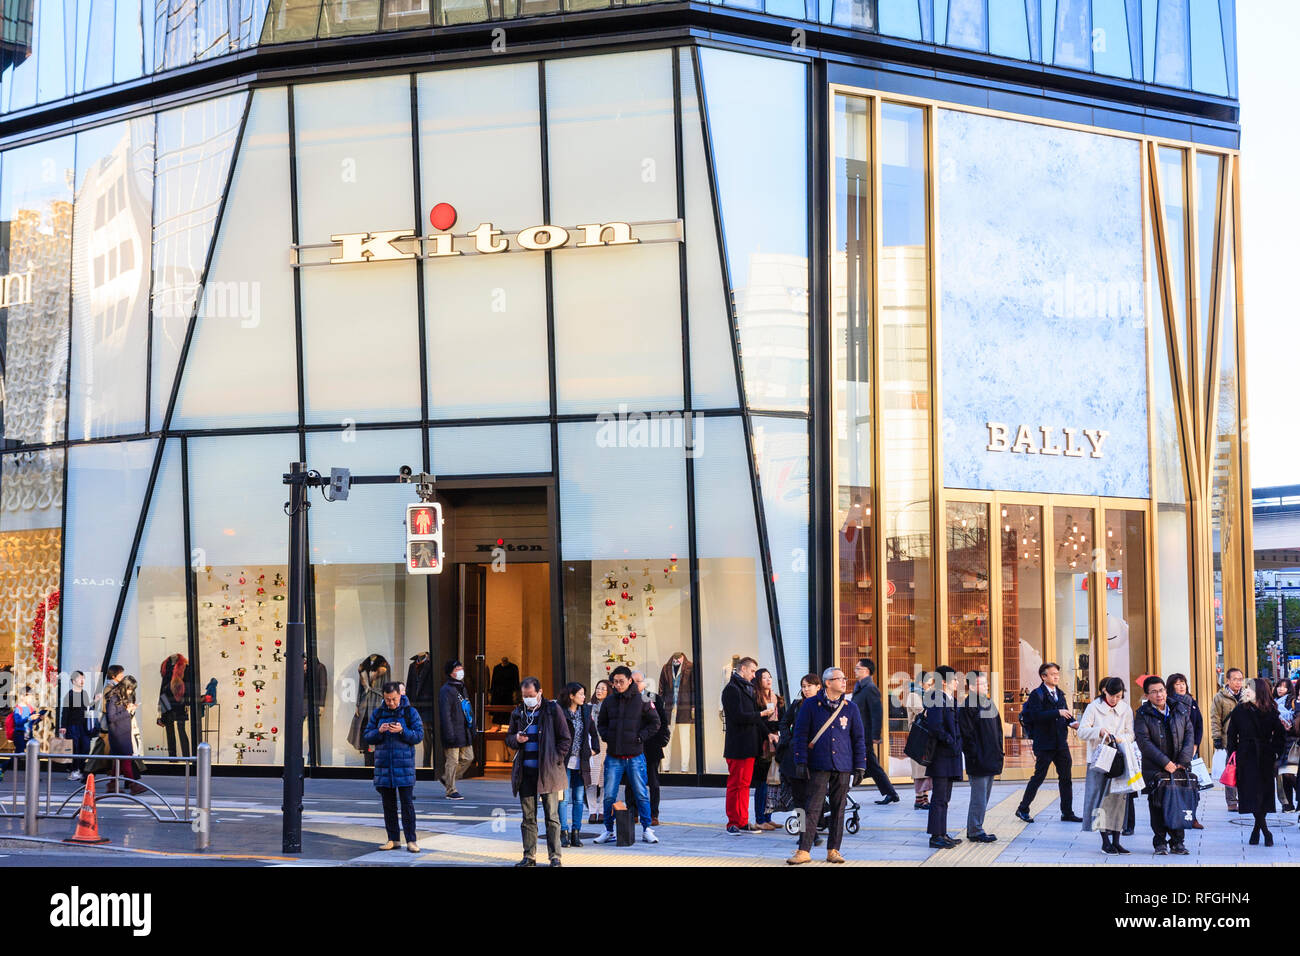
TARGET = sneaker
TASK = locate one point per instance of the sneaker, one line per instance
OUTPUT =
(1179, 850)
(606, 837)
(648, 836)
(732, 829)
(1161, 851)
(454, 796)
(75, 776)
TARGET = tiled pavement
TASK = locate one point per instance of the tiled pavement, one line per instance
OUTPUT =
(342, 825)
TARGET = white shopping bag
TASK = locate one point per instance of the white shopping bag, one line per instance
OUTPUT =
(1104, 758)
(1132, 779)
(1202, 773)
(1218, 765)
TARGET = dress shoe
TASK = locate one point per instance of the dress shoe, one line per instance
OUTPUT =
(939, 843)
(800, 856)
(887, 798)
(555, 862)
(984, 838)
(1198, 825)
(654, 821)
(1108, 848)
(1070, 818)
(953, 840)
(921, 805)
(527, 861)
(1024, 815)
(1123, 851)
(752, 828)
(833, 856)
(413, 847)
(137, 789)
(390, 845)
(769, 825)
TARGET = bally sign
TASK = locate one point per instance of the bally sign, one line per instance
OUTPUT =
(1041, 440)
(397, 244)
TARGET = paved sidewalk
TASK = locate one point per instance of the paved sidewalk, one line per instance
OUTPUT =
(342, 824)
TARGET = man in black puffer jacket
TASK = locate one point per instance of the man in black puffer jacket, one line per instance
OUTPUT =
(626, 724)
(455, 721)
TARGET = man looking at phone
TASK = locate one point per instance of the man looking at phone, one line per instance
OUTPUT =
(540, 736)
(741, 742)
(1048, 717)
(394, 730)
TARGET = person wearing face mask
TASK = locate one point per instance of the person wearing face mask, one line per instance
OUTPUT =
(456, 726)
(540, 736)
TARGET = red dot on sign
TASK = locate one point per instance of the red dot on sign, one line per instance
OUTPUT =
(275, 730)
(500, 541)
(442, 216)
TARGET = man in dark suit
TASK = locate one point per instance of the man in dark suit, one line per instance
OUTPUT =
(1049, 718)
(945, 768)
(866, 695)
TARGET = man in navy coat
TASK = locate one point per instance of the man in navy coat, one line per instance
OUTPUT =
(830, 751)
(941, 721)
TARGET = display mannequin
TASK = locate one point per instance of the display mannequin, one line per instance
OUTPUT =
(505, 681)
(677, 688)
(372, 673)
(173, 714)
(422, 694)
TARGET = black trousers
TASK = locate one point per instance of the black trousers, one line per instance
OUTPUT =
(1160, 832)
(1061, 758)
(940, 794)
(390, 796)
(821, 782)
(652, 779)
(877, 774)
(174, 728)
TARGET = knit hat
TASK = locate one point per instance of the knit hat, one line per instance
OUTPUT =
(451, 666)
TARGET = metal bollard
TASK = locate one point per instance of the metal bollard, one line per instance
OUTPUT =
(31, 786)
(203, 812)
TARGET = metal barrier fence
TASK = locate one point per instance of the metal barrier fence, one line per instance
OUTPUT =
(197, 813)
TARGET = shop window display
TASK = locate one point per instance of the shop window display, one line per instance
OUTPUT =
(969, 596)
(1126, 597)
(1073, 544)
(1024, 621)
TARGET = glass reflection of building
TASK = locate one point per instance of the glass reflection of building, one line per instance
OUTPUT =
(771, 428)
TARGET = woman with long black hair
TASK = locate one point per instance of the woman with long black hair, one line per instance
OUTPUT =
(1255, 736)
(119, 714)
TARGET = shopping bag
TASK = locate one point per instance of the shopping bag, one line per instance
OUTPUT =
(773, 774)
(1229, 776)
(1132, 779)
(624, 825)
(1104, 757)
(60, 745)
(1218, 764)
(1202, 774)
(1291, 763)
(1178, 799)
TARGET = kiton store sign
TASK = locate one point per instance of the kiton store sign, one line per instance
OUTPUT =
(484, 240)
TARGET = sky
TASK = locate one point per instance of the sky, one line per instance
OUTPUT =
(1269, 88)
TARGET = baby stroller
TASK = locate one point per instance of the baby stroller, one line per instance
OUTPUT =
(852, 818)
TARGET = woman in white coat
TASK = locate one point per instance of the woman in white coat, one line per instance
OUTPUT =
(1106, 721)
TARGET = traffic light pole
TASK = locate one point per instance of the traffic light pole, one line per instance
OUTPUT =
(300, 480)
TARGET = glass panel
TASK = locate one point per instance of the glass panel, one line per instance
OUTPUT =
(1172, 185)
(1008, 31)
(1209, 68)
(212, 33)
(31, 489)
(345, 17)
(195, 148)
(794, 9)
(1048, 29)
(624, 543)
(241, 368)
(354, 175)
(855, 541)
(490, 449)
(1034, 27)
(365, 602)
(155, 617)
(128, 39)
(252, 18)
(941, 21)
(1207, 219)
(110, 279)
(174, 29)
(1072, 594)
(1126, 598)
(598, 368)
(781, 458)
(1073, 34)
(18, 81)
(241, 539)
(760, 149)
(1149, 41)
(858, 14)
(1110, 40)
(1023, 620)
(899, 18)
(289, 20)
(905, 399)
(734, 621)
(610, 138)
(463, 11)
(966, 25)
(56, 29)
(407, 14)
(106, 486)
(970, 646)
(713, 368)
(94, 45)
(1172, 68)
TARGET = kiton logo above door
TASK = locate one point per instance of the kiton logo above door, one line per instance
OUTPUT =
(396, 244)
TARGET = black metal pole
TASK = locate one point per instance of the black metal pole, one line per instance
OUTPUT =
(295, 639)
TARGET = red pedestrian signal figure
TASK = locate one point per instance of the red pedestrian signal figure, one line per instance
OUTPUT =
(424, 538)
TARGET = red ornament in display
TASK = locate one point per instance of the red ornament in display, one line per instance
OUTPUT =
(632, 635)
(277, 642)
(241, 693)
(652, 607)
(625, 596)
(625, 640)
(275, 730)
(609, 602)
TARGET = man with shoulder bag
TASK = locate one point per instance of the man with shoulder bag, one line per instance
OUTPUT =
(830, 751)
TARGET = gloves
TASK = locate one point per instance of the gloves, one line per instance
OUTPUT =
(858, 774)
(801, 771)
(1218, 744)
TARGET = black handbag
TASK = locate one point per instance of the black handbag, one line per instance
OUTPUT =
(920, 742)
(1179, 795)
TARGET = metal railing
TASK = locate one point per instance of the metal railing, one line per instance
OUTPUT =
(197, 813)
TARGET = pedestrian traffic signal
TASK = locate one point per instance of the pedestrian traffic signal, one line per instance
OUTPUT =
(424, 538)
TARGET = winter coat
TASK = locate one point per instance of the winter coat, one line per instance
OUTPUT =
(1149, 732)
(981, 737)
(685, 692)
(1100, 718)
(394, 753)
(941, 721)
(588, 746)
(452, 726)
(1048, 730)
(371, 674)
(553, 745)
(420, 683)
(1198, 720)
(627, 722)
(118, 720)
(172, 696)
(785, 746)
(867, 696)
(77, 708)
(842, 748)
(765, 727)
(741, 714)
(505, 681)
(654, 747)
(1259, 741)
(322, 687)
(1220, 708)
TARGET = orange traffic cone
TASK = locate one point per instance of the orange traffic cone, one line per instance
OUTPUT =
(87, 819)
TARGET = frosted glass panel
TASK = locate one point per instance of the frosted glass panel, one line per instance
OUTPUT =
(490, 449)
(368, 528)
(237, 493)
(781, 457)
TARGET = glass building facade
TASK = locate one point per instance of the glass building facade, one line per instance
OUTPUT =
(715, 350)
